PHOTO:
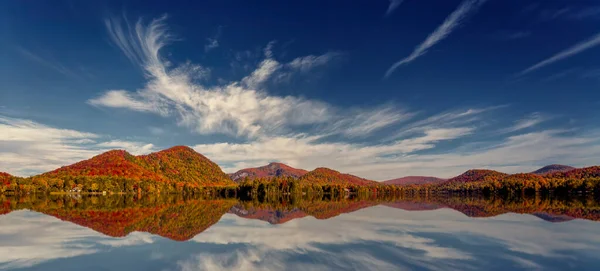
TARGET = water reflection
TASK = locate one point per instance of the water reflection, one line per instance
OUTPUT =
(146, 233)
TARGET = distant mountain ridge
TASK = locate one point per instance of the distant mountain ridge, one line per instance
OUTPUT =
(270, 170)
(408, 180)
(475, 175)
(326, 176)
(552, 169)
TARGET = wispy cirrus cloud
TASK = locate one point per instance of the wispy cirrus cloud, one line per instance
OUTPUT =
(243, 108)
(394, 4)
(569, 52)
(213, 42)
(527, 122)
(575, 13)
(49, 63)
(507, 35)
(453, 21)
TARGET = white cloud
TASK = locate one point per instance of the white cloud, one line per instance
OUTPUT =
(49, 63)
(212, 44)
(454, 20)
(569, 52)
(240, 109)
(28, 147)
(307, 63)
(415, 239)
(519, 153)
(121, 98)
(527, 122)
(29, 239)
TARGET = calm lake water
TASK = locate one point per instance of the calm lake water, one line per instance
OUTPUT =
(119, 233)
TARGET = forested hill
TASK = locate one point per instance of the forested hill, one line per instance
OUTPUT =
(270, 170)
(185, 165)
(173, 169)
(553, 169)
(325, 176)
(5, 178)
(477, 175)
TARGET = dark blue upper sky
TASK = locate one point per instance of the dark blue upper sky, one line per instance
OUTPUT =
(376, 88)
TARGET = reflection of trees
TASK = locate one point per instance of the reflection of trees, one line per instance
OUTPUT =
(180, 218)
(171, 216)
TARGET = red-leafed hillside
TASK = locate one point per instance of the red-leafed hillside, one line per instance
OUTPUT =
(478, 175)
(325, 176)
(408, 180)
(270, 170)
(553, 169)
(181, 165)
(116, 163)
(5, 178)
(578, 173)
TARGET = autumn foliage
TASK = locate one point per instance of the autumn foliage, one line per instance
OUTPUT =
(325, 176)
(270, 170)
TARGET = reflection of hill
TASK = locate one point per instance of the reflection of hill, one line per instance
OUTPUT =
(414, 206)
(270, 215)
(172, 218)
(179, 218)
(329, 209)
(320, 209)
(553, 218)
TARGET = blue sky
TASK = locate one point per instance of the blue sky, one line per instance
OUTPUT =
(380, 89)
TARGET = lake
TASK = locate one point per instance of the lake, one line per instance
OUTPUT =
(179, 233)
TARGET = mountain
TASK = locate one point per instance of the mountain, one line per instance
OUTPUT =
(115, 163)
(325, 176)
(270, 170)
(414, 180)
(183, 164)
(578, 173)
(180, 165)
(552, 169)
(477, 175)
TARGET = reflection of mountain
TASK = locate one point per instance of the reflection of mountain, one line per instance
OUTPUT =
(414, 205)
(270, 215)
(549, 210)
(179, 218)
(553, 218)
(319, 209)
(172, 218)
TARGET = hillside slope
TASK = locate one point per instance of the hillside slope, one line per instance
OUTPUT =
(115, 163)
(325, 176)
(408, 180)
(270, 170)
(477, 175)
(184, 165)
(553, 169)
(178, 165)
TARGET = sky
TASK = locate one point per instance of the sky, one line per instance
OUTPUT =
(379, 89)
